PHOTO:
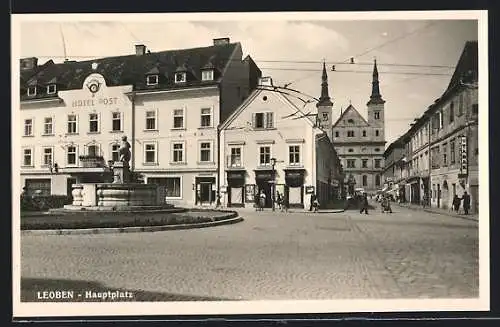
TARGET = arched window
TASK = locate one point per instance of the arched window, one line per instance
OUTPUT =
(364, 133)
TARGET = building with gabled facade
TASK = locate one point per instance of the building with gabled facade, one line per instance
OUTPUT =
(270, 144)
(169, 104)
(360, 142)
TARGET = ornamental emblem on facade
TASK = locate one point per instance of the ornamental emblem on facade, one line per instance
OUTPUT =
(93, 85)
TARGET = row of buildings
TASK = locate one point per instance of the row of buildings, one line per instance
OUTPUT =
(203, 122)
(437, 158)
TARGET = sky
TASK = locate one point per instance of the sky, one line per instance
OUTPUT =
(290, 51)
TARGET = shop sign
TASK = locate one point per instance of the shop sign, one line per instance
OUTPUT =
(463, 155)
(309, 189)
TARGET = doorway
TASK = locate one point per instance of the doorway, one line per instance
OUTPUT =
(205, 190)
(439, 195)
(69, 187)
(266, 188)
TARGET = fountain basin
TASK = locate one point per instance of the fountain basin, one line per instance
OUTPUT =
(117, 197)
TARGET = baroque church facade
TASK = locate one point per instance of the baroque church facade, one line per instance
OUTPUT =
(360, 142)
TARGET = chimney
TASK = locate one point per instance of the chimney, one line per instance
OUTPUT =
(267, 81)
(221, 41)
(140, 49)
(28, 63)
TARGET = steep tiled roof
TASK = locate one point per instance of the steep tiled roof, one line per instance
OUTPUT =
(467, 66)
(132, 69)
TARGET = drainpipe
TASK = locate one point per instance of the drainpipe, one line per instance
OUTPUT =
(133, 131)
(218, 196)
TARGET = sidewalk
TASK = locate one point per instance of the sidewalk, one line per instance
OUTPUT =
(445, 212)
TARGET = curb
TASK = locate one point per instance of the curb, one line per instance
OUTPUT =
(135, 229)
(319, 212)
(440, 213)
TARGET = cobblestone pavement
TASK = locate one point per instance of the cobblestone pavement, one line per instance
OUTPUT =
(275, 256)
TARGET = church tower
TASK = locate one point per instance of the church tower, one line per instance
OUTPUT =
(325, 106)
(375, 106)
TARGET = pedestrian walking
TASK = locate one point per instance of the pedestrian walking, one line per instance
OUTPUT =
(279, 200)
(456, 203)
(313, 198)
(466, 202)
(364, 204)
(262, 200)
(316, 205)
(285, 204)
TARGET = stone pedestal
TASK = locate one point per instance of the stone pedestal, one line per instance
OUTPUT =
(121, 172)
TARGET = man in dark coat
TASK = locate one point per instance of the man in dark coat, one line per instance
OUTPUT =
(313, 198)
(364, 204)
(466, 204)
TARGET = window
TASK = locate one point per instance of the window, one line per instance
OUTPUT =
(350, 133)
(150, 153)
(336, 134)
(93, 123)
(441, 119)
(151, 120)
(475, 109)
(72, 124)
(51, 89)
(235, 157)
(40, 186)
(206, 117)
(31, 91)
(452, 111)
(71, 155)
(377, 150)
(28, 127)
(93, 150)
(376, 114)
(364, 133)
(265, 155)
(294, 155)
(461, 104)
(351, 163)
(364, 163)
(205, 152)
(173, 187)
(47, 126)
(47, 156)
(180, 77)
(377, 132)
(115, 153)
(445, 154)
(263, 120)
(178, 149)
(452, 152)
(365, 180)
(350, 121)
(207, 75)
(377, 163)
(377, 180)
(152, 80)
(178, 118)
(116, 121)
(350, 150)
(27, 157)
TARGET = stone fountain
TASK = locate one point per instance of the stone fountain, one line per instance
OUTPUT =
(122, 194)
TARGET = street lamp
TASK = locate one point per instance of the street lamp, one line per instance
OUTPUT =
(273, 186)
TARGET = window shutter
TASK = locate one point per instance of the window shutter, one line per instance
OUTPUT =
(269, 120)
(254, 121)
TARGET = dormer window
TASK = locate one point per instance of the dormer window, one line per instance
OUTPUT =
(51, 89)
(207, 75)
(31, 91)
(152, 80)
(180, 77)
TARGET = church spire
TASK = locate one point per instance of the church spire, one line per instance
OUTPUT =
(324, 100)
(376, 97)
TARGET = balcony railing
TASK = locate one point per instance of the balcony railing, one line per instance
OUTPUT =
(92, 161)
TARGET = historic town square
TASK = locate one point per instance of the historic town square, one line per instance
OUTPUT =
(249, 160)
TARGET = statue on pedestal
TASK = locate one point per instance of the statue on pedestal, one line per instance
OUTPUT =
(124, 150)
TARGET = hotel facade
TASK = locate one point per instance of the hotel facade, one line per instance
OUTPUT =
(168, 104)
